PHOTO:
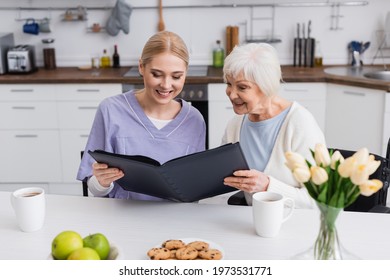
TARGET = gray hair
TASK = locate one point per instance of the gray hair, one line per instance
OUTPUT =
(259, 63)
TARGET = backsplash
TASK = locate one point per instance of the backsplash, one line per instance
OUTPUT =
(76, 40)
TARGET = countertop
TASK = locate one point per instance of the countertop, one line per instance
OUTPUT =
(136, 226)
(345, 75)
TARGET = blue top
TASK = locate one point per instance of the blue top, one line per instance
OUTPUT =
(257, 139)
(121, 126)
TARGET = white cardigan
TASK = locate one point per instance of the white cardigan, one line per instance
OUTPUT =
(298, 133)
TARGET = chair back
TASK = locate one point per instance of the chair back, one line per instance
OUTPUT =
(84, 183)
(365, 203)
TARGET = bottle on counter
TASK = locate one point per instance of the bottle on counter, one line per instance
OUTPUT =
(115, 58)
(318, 55)
(105, 61)
(218, 55)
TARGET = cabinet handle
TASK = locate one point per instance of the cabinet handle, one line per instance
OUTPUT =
(22, 90)
(26, 136)
(87, 107)
(229, 107)
(295, 90)
(23, 107)
(84, 135)
(355, 93)
(88, 90)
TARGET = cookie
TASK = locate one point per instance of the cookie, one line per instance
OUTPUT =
(210, 254)
(173, 244)
(186, 253)
(159, 253)
(173, 254)
(199, 245)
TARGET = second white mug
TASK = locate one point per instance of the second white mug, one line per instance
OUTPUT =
(30, 207)
(269, 212)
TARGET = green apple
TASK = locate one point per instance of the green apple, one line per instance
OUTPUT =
(84, 253)
(65, 243)
(99, 243)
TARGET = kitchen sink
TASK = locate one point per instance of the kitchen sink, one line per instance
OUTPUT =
(379, 75)
(375, 73)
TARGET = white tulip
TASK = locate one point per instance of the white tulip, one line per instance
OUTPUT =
(318, 175)
(302, 174)
(359, 174)
(321, 155)
(361, 156)
(346, 167)
(370, 187)
(372, 165)
(336, 156)
(294, 160)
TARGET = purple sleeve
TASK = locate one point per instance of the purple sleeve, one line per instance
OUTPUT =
(96, 140)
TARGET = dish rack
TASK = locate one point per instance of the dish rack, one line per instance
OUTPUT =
(383, 39)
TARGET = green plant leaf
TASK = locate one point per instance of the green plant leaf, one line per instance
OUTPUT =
(311, 189)
(323, 192)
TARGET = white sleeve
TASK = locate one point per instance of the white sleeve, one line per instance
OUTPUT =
(96, 189)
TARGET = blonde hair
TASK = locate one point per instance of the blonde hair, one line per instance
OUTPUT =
(164, 41)
(259, 63)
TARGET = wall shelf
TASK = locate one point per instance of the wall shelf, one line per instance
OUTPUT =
(292, 4)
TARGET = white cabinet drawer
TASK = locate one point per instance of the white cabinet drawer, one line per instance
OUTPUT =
(303, 91)
(32, 156)
(74, 92)
(312, 96)
(387, 102)
(28, 115)
(217, 92)
(220, 113)
(25, 92)
(76, 115)
(72, 143)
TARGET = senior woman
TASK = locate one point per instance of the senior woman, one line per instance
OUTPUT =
(266, 125)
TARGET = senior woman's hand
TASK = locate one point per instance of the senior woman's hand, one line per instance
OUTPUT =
(250, 181)
(106, 175)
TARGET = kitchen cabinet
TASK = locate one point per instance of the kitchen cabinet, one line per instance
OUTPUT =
(43, 128)
(220, 112)
(312, 96)
(354, 118)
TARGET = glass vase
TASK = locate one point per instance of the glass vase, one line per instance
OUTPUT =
(327, 245)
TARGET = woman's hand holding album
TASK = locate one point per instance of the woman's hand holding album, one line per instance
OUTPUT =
(106, 175)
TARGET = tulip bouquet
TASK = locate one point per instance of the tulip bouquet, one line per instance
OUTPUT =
(334, 183)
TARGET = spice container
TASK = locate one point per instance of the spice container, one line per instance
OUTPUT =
(49, 54)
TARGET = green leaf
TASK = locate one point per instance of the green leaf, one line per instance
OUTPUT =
(352, 196)
(334, 199)
(323, 192)
(341, 199)
(312, 189)
(312, 154)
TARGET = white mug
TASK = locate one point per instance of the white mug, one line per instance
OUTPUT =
(268, 212)
(30, 206)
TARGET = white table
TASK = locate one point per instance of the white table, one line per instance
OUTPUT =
(136, 226)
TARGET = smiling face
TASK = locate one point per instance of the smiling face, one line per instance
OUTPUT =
(246, 96)
(164, 77)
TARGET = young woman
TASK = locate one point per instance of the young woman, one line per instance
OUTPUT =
(266, 124)
(148, 122)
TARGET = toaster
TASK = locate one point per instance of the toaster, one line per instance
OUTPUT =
(21, 59)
